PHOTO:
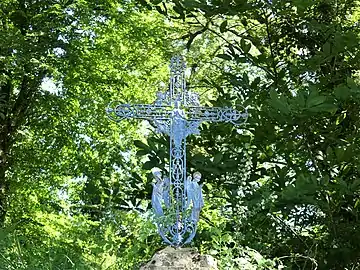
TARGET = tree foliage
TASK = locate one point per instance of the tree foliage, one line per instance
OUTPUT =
(71, 198)
(290, 178)
(75, 187)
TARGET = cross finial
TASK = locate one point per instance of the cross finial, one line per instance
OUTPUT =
(177, 80)
(177, 65)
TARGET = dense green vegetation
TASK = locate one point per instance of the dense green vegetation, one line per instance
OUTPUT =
(282, 192)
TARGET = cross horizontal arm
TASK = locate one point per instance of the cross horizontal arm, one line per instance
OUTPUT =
(139, 111)
(216, 114)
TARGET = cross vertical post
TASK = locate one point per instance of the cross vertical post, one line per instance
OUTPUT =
(176, 199)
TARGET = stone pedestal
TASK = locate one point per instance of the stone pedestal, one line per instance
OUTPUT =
(180, 259)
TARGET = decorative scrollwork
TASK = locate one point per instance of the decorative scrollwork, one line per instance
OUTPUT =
(216, 114)
(139, 111)
(177, 65)
(191, 99)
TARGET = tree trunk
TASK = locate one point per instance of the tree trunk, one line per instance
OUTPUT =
(5, 134)
(4, 186)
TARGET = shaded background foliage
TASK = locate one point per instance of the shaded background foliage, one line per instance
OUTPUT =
(301, 70)
(75, 187)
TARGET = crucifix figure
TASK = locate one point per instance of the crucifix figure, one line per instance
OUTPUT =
(177, 198)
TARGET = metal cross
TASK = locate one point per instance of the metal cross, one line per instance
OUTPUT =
(176, 199)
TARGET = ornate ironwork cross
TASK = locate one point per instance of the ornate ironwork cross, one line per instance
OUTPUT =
(176, 199)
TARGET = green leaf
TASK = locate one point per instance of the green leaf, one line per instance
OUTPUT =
(342, 92)
(351, 83)
(255, 82)
(273, 94)
(282, 73)
(300, 99)
(355, 184)
(240, 59)
(357, 203)
(190, 3)
(245, 46)
(339, 153)
(136, 176)
(213, 170)
(223, 26)
(160, 10)
(218, 157)
(340, 118)
(140, 144)
(278, 103)
(179, 10)
(156, 2)
(199, 158)
(327, 48)
(148, 165)
(313, 92)
(325, 107)
(245, 78)
(145, 4)
(142, 152)
(329, 151)
(224, 56)
(314, 101)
